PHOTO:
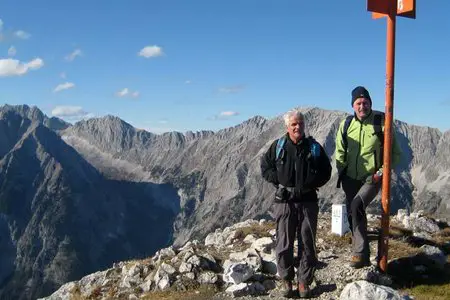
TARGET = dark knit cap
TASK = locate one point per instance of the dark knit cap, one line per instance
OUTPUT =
(360, 92)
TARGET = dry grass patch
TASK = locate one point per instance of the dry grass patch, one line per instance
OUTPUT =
(442, 236)
(334, 241)
(75, 293)
(430, 292)
(399, 231)
(96, 293)
(258, 230)
(398, 249)
(147, 260)
(221, 254)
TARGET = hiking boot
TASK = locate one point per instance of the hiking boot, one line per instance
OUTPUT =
(286, 288)
(358, 262)
(303, 290)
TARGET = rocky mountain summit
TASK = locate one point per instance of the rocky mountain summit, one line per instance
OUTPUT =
(239, 261)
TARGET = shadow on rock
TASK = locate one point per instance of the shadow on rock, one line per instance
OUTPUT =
(420, 269)
(325, 288)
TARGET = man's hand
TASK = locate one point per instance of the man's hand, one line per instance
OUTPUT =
(281, 195)
(377, 177)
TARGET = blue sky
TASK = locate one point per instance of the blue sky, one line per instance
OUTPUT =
(200, 64)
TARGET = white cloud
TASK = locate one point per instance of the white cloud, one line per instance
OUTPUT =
(63, 75)
(63, 86)
(228, 113)
(35, 64)
(13, 67)
(224, 115)
(231, 89)
(125, 92)
(188, 82)
(73, 55)
(70, 111)
(151, 51)
(22, 34)
(12, 51)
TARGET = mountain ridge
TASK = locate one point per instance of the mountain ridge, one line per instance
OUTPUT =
(223, 167)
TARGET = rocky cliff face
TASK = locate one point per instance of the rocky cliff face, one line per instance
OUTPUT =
(60, 218)
(218, 174)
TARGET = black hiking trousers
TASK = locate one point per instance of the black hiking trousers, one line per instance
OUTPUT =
(296, 218)
(358, 196)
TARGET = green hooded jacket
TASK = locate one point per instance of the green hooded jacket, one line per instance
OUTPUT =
(363, 151)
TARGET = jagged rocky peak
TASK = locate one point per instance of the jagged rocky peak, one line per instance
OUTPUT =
(250, 128)
(173, 138)
(109, 122)
(34, 114)
(109, 132)
(240, 261)
(256, 120)
(190, 135)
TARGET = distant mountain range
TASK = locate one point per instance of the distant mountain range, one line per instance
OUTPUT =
(76, 198)
(217, 174)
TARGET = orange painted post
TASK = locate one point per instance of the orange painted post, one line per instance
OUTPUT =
(389, 9)
(388, 131)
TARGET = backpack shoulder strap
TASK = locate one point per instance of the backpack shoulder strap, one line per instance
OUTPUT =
(280, 146)
(314, 147)
(378, 126)
(377, 122)
(347, 122)
(378, 131)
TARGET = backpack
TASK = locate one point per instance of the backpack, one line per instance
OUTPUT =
(314, 148)
(317, 171)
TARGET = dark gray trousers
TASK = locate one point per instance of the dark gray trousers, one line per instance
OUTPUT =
(358, 196)
(300, 219)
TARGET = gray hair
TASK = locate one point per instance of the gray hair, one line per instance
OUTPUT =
(294, 112)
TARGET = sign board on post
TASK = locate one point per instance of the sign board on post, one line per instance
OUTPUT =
(380, 8)
(339, 221)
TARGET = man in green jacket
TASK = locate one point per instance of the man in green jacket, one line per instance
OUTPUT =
(359, 161)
